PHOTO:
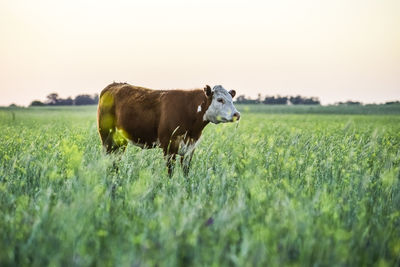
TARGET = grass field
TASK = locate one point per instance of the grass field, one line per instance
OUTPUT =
(273, 190)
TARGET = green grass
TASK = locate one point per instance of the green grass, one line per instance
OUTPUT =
(275, 189)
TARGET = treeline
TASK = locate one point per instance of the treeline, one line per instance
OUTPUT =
(279, 100)
(85, 99)
(54, 100)
(296, 100)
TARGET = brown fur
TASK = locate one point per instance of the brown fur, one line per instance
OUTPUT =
(152, 117)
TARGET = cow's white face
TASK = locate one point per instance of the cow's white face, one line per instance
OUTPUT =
(221, 108)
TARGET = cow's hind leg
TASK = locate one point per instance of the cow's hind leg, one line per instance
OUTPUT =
(107, 140)
(112, 147)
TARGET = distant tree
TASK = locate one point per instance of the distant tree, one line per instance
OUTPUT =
(353, 103)
(349, 102)
(392, 103)
(84, 100)
(312, 101)
(52, 99)
(278, 100)
(269, 100)
(299, 100)
(65, 102)
(36, 103)
(282, 100)
(243, 100)
(13, 105)
(240, 99)
(296, 100)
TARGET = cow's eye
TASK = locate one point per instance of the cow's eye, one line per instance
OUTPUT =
(220, 100)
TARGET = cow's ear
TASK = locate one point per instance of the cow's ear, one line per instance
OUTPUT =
(207, 90)
(233, 93)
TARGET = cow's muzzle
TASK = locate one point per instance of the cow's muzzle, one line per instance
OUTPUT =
(236, 115)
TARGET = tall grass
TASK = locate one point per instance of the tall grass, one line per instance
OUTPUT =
(272, 190)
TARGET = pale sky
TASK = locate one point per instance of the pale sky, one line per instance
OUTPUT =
(335, 50)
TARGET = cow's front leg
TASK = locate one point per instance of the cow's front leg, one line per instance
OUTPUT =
(170, 150)
(170, 163)
(186, 161)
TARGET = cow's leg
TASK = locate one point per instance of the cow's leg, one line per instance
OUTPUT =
(171, 163)
(107, 140)
(110, 145)
(186, 161)
(170, 150)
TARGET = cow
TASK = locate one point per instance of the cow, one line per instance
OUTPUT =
(170, 119)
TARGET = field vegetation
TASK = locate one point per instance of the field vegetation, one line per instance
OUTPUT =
(275, 189)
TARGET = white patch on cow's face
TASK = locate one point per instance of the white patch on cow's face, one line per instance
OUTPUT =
(221, 108)
(199, 109)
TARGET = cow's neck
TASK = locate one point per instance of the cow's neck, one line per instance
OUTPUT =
(199, 122)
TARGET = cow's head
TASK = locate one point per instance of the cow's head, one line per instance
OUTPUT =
(221, 108)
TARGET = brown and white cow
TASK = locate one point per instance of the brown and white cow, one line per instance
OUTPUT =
(171, 119)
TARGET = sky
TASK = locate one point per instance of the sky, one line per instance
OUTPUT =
(335, 50)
